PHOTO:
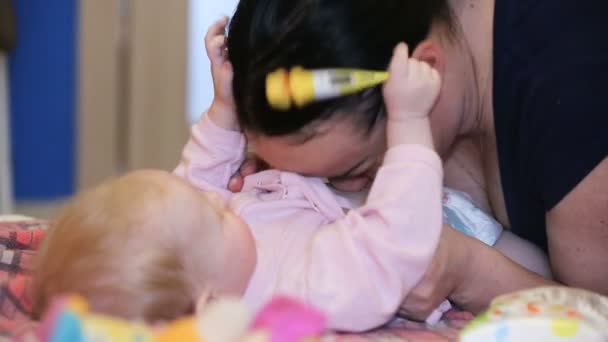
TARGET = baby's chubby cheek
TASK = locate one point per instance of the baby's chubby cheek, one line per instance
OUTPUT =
(215, 200)
(241, 245)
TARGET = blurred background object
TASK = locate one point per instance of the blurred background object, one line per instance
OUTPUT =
(6, 189)
(7, 42)
(100, 87)
(133, 65)
(42, 88)
(8, 28)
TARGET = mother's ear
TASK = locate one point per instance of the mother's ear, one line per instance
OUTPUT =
(432, 53)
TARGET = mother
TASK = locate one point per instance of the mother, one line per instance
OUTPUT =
(521, 120)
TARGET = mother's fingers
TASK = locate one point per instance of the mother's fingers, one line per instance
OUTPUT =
(236, 183)
(251, 165)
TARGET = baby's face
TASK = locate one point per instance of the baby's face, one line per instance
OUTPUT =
(234, 254)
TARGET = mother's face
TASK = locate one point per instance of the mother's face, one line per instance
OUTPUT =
(339, 150)
(348, 155)
(342, 151)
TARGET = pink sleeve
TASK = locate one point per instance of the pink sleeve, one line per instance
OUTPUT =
(360, 268)
(211, 156)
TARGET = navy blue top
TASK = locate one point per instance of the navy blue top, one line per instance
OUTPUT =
(551, 114)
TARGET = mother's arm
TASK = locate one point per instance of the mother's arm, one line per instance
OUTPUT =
(469, 273)
(466, 270)
(577, 232)
(472, 274)
(487, 274)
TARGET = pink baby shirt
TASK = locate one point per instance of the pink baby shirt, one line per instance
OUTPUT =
(355, 265)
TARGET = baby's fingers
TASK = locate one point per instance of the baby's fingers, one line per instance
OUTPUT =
(399, 62)
(215, 39)
(432, 77)
(216, 48)
(429, 71)
(217, 29)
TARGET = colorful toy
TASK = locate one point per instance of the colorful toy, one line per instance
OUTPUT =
(302, 87)
(544, 314)
(225, 320)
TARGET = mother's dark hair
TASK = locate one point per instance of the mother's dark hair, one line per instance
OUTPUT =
(268, 34)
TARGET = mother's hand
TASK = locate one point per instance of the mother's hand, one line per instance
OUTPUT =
(251, 165)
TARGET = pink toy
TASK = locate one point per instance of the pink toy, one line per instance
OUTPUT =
(287, 320)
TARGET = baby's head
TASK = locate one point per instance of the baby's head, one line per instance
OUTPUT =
(144, 246)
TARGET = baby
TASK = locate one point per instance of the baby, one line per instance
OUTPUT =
(143, 246)
(152, 245)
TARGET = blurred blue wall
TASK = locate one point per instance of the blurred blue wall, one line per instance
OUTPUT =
(42, 73)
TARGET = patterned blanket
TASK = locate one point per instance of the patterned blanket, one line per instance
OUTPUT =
(18, 243)
(20, 239)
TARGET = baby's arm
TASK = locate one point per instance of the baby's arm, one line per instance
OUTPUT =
(216, 147)
(359, 269)
(211, 156)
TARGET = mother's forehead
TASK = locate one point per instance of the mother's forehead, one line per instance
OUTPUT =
(327, 154)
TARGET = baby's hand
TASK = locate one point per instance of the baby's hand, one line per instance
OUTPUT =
(223, 109)
(412, 87)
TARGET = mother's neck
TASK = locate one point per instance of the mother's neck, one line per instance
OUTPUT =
(476, 25)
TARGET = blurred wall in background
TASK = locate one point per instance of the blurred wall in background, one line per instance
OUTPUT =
(133, 63)
(43, 98)
(100, 87)
(6, 186)
(7, 43)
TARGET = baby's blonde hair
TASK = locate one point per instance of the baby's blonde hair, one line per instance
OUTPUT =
(117, 246)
